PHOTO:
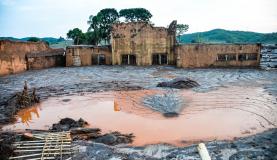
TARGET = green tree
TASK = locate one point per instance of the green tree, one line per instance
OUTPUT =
(77, 35)
(92, 38)
(101, 24)
(33, 39)
(135, 15)
(181, 29)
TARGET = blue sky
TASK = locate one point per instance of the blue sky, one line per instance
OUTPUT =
(45, 18)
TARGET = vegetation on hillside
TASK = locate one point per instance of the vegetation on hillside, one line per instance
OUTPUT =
(180, 30)
(225, 36)
(33, 39)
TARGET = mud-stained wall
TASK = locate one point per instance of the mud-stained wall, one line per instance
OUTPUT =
(12, 55)
(46, 59)
(85, 55)
(218, 55)
(142, 40)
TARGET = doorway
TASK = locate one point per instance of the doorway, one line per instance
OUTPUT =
(98, 59)
(128, 59)
(159, 59)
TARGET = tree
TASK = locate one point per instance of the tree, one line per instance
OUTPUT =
(181, 29)
(33, 39)
(92, 37)
(135, 15)
(77, 35)
(101, 24)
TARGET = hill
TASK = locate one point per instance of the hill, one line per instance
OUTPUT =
(226, 36)
(53, 42)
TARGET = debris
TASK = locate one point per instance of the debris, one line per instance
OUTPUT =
(179, 83)
(85, 133)
(46, 145)
(115, 138)
(66, 124)
(25, 99)
(202, 150)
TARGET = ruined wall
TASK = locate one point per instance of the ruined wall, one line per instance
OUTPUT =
(46, 59)
(218, 55)
(142, 40)
(84, 55)
(12, 55)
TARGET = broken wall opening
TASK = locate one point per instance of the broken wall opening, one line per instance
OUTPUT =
(99, 59)
(128, 59)
(159, 59)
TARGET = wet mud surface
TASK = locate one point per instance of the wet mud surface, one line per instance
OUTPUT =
(261, 146)
(228, 103)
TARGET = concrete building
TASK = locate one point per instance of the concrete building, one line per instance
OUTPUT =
(140, 43)
(218, 55)
(85, 55)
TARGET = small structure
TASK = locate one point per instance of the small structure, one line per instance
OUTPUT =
(85, 55)
(218, 55)
(12, 55)
(46, 59)
(19, 56)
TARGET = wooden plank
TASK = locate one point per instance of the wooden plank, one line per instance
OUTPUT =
(25, 156)
(44, 158)
(19, 147)
(36, 150)
(202, 150)
(38, 143)
(21, 142)
(38, 154)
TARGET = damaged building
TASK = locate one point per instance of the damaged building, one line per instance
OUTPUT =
(18, 56)
(133, 43)
(142, 44)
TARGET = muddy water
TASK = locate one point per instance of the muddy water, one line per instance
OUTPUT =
(221, 114)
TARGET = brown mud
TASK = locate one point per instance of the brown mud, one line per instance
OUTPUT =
(229, 103)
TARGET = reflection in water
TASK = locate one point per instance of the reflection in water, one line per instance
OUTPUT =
(116, 106)
(222, 114)
(26, 115)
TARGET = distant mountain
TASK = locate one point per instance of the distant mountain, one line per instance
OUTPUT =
(53, 42)
(226, 36)
(50, 40)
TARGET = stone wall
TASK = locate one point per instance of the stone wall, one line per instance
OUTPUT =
(46, 59)
(84, 55)
(142, 40)
(218, 55)
(12, 55)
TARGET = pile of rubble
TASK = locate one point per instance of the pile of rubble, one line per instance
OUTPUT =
(25, 99)
(268, 57)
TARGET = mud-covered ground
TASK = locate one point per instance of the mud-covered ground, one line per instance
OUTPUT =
(79, 80)
(261, 146)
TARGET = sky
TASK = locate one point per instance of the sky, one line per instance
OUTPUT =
(53, 18)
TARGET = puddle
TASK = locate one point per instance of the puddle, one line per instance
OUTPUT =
(221, 114)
